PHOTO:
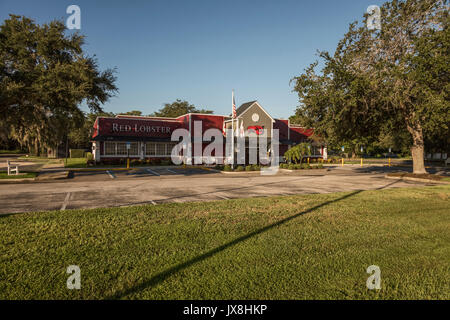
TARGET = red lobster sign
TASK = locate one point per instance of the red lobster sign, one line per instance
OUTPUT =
(258, 129)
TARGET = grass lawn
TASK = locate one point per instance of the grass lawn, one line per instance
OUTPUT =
(11, 152)
(75, 163)
(295, 247)
(22, 175)
(40, 159)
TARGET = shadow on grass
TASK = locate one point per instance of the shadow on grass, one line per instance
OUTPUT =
(162, 276)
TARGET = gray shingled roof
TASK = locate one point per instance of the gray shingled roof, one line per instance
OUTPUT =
(244, 107)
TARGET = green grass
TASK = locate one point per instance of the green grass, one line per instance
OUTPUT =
(75, 163)
(296, 247)
(22, 175)
(40, 159)
(11, 151)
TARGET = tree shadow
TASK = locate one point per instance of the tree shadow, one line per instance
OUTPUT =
(162, 276)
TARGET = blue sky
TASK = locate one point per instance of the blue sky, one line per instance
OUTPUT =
(199, 50)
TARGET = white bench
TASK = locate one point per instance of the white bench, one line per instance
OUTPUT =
(11, 169)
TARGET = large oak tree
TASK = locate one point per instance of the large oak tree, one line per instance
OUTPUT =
(178, 108)
(396, 78)
(44, 77)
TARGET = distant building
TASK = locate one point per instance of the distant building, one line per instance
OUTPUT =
(143, 138)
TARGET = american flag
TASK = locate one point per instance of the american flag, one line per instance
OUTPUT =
(234, 106)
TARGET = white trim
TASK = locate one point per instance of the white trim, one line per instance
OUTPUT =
(111, 175)
(66, 201)
(289, 130)
(142, 118)
(124, 116)
(204, 114)
(273, 120)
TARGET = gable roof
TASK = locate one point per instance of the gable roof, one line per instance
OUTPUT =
(244, 107)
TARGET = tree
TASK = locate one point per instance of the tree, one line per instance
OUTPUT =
(178, 108)
(396, 76)
(298, 152)
(81, 136)
(44, 77)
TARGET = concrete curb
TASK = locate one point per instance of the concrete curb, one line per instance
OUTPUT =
(18, 180)
(137, 168)
(416, 179)
(304, 170)
(239, 172)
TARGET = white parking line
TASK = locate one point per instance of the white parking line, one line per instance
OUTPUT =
(222, 197)
(152, 172)
(172, 171)
(111, 175)
(153, 202)
(66, 201)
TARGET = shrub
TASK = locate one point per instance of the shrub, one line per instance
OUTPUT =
(320, 166)
(154, 161)
(166, 162)
(256, 167)
(240, 168)
(77, 153)
(297, 166)
(291, 166)
(89, 156)
(306, 166)
(248, 168)
(227, 168)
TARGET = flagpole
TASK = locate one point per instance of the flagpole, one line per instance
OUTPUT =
(232, 129)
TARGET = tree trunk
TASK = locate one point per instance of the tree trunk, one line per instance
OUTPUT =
(417, 149)
(37, 148)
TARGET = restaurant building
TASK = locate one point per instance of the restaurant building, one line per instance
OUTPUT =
(149, 138)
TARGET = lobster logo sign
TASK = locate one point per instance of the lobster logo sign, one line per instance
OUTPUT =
(257, 129)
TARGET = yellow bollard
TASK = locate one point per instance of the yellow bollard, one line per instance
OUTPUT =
(128, 163)
(308, 160)
(361, 161)
(389, 162)
(342, 161)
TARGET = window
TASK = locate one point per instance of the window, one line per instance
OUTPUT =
(110, 148)
(161, 149)
(150, 149)
(134, 149)
(170, 146)
(121, 149)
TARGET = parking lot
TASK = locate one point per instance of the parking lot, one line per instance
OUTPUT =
(139, 173)
(116, 188)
